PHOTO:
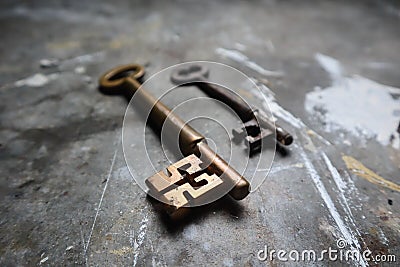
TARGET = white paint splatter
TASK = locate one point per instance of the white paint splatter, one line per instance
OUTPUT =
(356, 104)
(36, 80)
(80, 70)
(331, 66)
(99, 205)
(272, 105)
(132, 237)
(243, 59)
(382, 237)
(279, 168)
(87, 58)
(346, 232)
(43, 260)
(140, 238)
(352, 191)
(342, 187)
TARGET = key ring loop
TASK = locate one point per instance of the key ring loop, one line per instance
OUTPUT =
(114, 78)
(185, 75)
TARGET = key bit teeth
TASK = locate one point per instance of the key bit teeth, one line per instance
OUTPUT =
(186, 185)
(252, 134)
(255, 143)
(249, 129)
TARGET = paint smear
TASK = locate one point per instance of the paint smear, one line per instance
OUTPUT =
(343, 227)
(360, 170)
(356, 104)
(239, 57)
(331, 66)
(139, 240)
(276, 109)
(343, 189)
(43, 260)
(122, 251)
(36, 80)
(279, 168)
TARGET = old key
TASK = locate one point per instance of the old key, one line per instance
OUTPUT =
(201, 174)
(257, 125)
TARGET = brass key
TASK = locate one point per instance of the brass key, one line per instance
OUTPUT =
(201, 173)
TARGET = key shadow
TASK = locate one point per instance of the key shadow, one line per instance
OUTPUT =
(225, 204)
(282, 150)
(269, 144)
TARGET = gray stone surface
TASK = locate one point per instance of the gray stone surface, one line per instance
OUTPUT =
(67, 197)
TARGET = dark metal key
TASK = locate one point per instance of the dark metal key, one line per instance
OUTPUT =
(256, 124)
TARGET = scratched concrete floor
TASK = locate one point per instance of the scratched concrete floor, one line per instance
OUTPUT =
(67, 197)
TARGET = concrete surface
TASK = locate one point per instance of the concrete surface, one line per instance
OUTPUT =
(67, 197)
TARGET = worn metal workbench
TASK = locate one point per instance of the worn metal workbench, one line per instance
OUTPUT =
(67, 197)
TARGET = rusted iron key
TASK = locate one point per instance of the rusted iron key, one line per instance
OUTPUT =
(201, 174)
(256, 124)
